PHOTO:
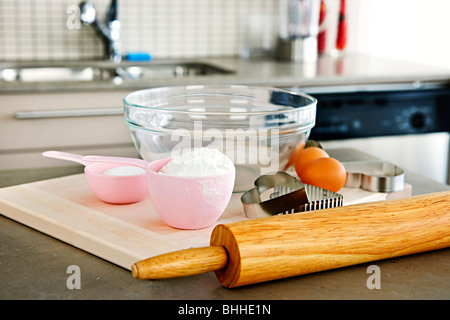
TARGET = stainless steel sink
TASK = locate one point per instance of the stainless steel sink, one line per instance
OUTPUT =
(56, 74)
(53, 73)
(170, 70)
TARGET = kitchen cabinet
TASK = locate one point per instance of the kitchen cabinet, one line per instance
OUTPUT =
(79, 122)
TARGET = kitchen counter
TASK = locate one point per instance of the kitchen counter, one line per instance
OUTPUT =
(355, 71)
(34, 266)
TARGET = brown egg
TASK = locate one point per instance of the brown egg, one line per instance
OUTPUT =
(327, 173)
(307, 155)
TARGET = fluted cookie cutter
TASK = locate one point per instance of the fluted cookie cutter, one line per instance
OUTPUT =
(281, 193)
(376, 176)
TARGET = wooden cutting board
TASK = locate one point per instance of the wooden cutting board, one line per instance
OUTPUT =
(65, 208)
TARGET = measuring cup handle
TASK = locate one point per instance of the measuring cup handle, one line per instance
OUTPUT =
(65, 156)
(123, 160)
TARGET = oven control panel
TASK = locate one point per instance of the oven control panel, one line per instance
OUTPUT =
(370, 114)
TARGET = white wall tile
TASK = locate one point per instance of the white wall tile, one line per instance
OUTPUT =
(37, 30)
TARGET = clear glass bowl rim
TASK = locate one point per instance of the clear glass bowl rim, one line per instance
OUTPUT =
(313, 101)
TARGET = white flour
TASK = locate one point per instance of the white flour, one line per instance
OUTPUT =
(198, 163)
(124, 171)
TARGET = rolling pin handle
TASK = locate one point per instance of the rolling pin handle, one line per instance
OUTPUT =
(181, 263)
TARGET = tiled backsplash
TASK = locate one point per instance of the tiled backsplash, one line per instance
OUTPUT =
(48, 29)
(44, 29)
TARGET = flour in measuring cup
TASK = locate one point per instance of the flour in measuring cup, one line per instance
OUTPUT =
(199, 162)
(124, 171)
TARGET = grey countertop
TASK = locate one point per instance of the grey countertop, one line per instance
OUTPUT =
(358, 72)
(34, 266)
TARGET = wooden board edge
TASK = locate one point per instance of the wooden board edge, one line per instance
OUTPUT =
(117, 250)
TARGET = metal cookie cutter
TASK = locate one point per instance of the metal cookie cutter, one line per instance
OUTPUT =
(286, 195)
(376, 176)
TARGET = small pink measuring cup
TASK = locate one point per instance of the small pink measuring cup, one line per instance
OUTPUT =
(110, 188)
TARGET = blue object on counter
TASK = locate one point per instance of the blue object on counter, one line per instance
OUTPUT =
(138, 56)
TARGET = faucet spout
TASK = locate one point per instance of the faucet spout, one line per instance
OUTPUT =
(112, 12)
(109, 30)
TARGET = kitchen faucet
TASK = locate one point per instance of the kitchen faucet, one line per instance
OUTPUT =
(109, 31)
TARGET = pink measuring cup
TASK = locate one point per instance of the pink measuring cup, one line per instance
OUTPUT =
(110, 188)
(188, 202)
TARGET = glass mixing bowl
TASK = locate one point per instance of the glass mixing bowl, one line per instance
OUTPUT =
(258, 128)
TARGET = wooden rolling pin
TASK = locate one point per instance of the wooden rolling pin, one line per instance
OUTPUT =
(264, 249)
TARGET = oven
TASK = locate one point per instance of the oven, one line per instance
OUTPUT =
(404, 123)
